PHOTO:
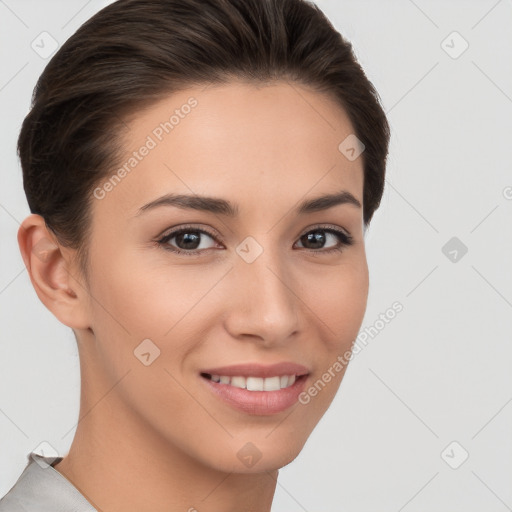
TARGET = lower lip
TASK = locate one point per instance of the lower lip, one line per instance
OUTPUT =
(261, 403)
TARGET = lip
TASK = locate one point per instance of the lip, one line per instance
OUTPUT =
(261, 403)
(259, 370)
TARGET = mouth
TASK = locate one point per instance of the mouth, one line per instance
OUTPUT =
(256, 389)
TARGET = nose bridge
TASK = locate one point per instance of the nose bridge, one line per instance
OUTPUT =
(264, 304)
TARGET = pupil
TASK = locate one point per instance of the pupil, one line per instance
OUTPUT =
(316, 237)
(186, 239)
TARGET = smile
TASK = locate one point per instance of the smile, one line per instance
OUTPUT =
(254, 383)
(257, 389)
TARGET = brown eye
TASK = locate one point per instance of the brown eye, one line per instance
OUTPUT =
(192, 241)
(187, 240)
(317, 239)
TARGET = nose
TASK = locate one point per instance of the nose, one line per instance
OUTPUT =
(263, 305)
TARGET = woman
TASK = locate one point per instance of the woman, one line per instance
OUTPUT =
(201, 175)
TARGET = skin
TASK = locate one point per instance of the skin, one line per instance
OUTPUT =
(154, 438)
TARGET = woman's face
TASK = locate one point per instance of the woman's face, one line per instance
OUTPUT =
(263, 282)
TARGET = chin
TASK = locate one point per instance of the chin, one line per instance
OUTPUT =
(262, 453)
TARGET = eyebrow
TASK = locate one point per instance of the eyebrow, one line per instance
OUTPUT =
(228, 209)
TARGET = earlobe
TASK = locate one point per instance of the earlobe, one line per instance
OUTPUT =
(50, 269)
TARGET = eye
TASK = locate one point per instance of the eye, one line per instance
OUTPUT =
(189, 240)
(321, 236)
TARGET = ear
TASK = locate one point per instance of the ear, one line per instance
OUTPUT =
(51, 269)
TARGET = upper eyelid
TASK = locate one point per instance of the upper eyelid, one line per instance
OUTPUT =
(174, 231)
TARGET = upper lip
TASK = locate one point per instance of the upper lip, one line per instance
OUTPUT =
(259, 370)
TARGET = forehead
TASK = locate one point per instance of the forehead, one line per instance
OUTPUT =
(237, 140)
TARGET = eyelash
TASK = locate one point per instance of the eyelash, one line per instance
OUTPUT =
(345, 240)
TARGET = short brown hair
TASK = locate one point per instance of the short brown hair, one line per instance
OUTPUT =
(137, 51)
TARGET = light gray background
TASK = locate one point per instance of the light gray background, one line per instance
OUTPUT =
(440, 370)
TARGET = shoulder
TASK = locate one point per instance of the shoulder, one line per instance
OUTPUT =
(41, 488)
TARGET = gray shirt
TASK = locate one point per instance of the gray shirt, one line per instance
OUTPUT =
(41, 488)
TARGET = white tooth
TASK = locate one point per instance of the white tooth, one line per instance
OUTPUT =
(238, 382)
(271, 384)
(254, 383)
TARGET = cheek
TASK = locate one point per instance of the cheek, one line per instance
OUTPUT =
(338, 298)
(133, 294)
(139, 298)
